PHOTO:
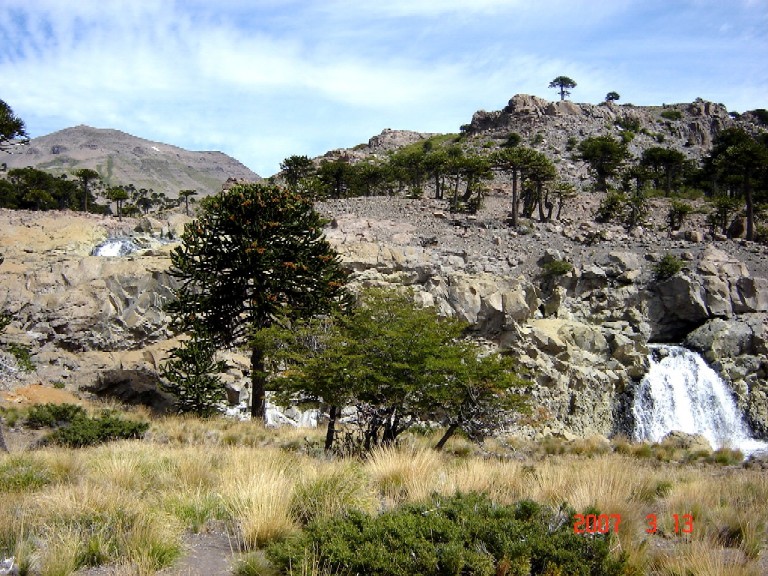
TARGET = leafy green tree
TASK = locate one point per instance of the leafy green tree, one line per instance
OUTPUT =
(42, 199)
(612, 96)
(604, 155)
(564, 192)
(86, 177)
(186, 195)
(563, 84)
(255, 253)
(435, 165)
(334, 177)
(399, 364)
(118, 195)
(539, 171)
(678, 211)
(191, 374)
(12, 129)
(723, 209)
(295, 169)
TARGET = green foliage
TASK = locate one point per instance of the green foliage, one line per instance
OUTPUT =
(397, 364)
(612, 96)
(556, 268)
(629, 123)
(512, 140)
(667, 267)
(84, 431)
(32, 189)
(5, 320)
(611, 207)
(678, 210)
(762, 115)
(462, 534)
(664, 166)
(191, 375)
(12, 129)
(605, 155)
(295, 169)
(563, 84)
(723, 209)
(52, 415)
(22, 355)
(255, 253)
(672, 115)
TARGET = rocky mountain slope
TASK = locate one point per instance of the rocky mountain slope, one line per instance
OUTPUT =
(582, 336)
(122, 159)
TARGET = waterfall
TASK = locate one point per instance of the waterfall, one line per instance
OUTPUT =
(115, 247)
(681, 392)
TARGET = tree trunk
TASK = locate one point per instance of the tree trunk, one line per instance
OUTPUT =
(330, 433)
(438, 191)
(515, 199)
(258, 384)
(448, 433)
(750, 207)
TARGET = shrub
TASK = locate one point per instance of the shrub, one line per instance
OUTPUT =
(512, 140)
(677, 213)
(630, 124)
(556, 268)
(462, 534)
(53, 415)
(611, 207)
(667, 267)
(672, 114)
(23, 358)
(83, 430)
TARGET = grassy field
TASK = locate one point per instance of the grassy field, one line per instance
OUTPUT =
(127, 504)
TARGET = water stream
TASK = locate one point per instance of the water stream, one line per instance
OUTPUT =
(681, 392)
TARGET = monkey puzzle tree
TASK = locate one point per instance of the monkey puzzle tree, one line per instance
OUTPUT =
(255, 253)
(563, 83)
(12, 129)
(86, 176)
(605, 155)
(612, 96)
(295, 169)
(515, 162)
(118, 195)
(186, 194)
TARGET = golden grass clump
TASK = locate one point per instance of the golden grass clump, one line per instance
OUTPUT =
(257, 490)
(409, 474)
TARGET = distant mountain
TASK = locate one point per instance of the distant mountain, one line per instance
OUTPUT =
(123, 159)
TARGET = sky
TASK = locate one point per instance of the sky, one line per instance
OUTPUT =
(262, 80)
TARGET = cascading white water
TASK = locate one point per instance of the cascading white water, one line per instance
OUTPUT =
(115, 247)
(680, 392)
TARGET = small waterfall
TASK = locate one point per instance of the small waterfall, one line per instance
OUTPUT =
(681, 392)
(115, 247)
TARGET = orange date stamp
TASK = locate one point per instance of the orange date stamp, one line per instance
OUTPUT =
(605, 523)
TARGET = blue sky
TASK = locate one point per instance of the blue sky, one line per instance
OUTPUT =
(264, 79)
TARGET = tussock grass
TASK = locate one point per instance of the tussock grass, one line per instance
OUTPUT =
(127, 504)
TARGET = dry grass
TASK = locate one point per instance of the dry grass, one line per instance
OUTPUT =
(127, 504)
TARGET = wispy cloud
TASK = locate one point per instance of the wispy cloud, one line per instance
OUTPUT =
(263, 80)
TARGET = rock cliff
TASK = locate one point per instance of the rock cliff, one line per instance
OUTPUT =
(582, 336)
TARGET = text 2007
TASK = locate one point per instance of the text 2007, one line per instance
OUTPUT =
(604, 523)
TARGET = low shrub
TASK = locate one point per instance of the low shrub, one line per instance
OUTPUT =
(53, 415)
(462, 534)
(672, 114)
(83, 430)
(22, 355)
(556, 268)
(667, 267)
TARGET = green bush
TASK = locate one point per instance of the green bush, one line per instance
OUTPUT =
(462, 534)
(23, 358)
(53, 415)
(611, 207)
(630, 124)
(667, 267)
(677, 213)
(672, 114)
(81, 430)
(556, 268)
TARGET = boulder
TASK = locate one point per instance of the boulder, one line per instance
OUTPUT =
(685, 441)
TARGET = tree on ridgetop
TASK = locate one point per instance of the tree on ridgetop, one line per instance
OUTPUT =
(563, 83)
(12, 130)
(612, 96)
(256, 253)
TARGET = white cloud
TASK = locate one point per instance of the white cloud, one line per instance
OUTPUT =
(265, 80)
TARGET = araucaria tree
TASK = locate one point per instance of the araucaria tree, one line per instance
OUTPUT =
(605, 155)
(255, 253)
(192, 375)
(563, 84)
